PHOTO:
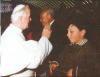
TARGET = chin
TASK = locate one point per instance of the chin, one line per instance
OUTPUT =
(26, 27)
(72, 42)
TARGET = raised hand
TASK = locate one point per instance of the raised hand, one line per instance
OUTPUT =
(46, 31)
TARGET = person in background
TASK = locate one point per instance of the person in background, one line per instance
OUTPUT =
(79, 58)
(18, 56)
(47, 19)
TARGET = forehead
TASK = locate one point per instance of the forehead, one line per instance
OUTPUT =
(73, 27)
(27, 10)
(45, 13)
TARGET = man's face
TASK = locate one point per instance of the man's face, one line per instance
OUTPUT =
(45, 18)
(74, 34)
(26, 19)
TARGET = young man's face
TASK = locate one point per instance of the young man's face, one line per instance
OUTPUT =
(74, 34)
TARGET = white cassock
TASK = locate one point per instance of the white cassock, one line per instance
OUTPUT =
(17, 53)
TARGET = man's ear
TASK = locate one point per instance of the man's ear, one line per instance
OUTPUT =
(83, 32)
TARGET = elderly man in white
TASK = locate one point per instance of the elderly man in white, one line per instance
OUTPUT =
(19, 56)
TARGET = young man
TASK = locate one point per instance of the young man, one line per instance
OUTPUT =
(18, 56)
(79, 59)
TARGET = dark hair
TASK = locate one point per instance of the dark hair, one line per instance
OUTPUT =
(80, 22)
(49, 10)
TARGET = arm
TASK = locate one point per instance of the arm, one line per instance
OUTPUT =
(18, 54)
(40, 49)
(46, 47)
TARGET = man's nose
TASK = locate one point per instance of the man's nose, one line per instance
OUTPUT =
(67, 34)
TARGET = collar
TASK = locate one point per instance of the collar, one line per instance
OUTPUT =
(52, 22)
(82, 42)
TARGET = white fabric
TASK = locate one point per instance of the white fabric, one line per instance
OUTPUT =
(18, 54)
(27, 73)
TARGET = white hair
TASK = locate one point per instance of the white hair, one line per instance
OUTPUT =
(17, 12)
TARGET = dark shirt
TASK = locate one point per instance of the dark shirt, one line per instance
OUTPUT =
(58, 38)
(58, 41)
(83, 57)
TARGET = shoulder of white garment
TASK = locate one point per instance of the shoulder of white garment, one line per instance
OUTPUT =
(14, 54)
(15, 28)
(11, 30)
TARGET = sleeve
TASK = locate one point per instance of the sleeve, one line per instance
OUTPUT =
(46, 46)
(18, 54)
(38, 51)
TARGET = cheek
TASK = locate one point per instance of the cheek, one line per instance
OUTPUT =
(73, 37)
(26, 21)
(45, 20)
